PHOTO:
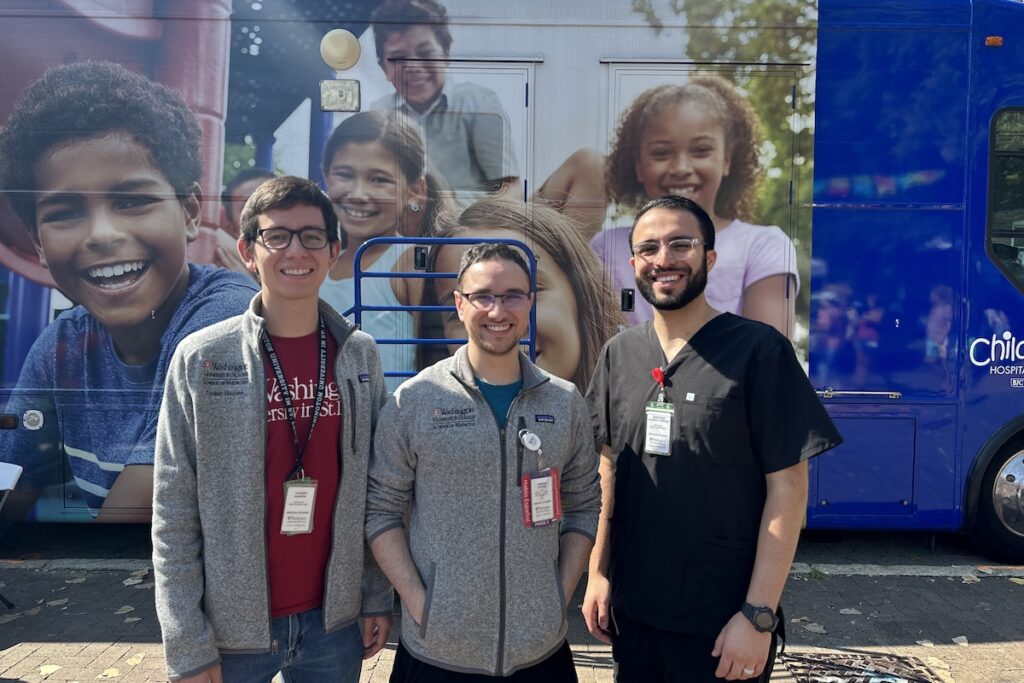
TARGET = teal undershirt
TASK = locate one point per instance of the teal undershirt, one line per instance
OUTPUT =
(499, 397)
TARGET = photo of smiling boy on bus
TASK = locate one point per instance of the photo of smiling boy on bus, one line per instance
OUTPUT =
(463, 123)
(102, 166)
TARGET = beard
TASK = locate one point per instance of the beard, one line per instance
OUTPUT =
(496, 348)
(697, 280)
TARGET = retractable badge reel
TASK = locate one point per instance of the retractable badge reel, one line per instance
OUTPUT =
(542, 500)
(658, 434)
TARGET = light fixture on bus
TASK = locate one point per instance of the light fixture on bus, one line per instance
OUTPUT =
(339, 48)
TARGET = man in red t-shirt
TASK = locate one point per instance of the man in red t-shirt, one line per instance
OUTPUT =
(283, 474)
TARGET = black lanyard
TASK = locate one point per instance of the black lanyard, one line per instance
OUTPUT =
(286, 394)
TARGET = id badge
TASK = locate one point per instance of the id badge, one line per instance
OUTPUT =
(658, 435)
(299, 499)
(542, 498)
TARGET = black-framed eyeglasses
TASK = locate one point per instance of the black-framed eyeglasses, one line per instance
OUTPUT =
(485, 301)
(680, 247)
(281, 238)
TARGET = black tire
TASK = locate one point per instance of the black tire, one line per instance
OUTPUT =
(999, 526)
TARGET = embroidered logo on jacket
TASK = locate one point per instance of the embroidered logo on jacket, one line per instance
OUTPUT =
(224, 379)
(447, 418)
(545, 418)
(364, 378)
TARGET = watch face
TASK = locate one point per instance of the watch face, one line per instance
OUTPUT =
(765, 620)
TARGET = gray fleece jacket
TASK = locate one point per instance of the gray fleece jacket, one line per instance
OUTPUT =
(494, 600)
(209, 498)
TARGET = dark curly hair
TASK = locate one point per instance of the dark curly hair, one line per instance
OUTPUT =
(89, 100)
(398, 16)
(737, 195)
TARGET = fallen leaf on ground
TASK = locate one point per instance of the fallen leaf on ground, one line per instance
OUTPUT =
(815, 628)
(849, 610)
(136, 660)
(925, 643)
(109, 673)
(80, 579)
(132, 620)
(961, 640)
(1017, 580)
(797, 620)
(970, 579)
(32, 612)
(144, 586)
(57, 603)
(47, 669)
(6, 618)
(132, 581)
(125, 609)
(140, 572)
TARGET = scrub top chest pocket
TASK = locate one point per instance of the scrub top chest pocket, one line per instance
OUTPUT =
(711, 428)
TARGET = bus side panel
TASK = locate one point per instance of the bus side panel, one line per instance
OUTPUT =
(887, 262)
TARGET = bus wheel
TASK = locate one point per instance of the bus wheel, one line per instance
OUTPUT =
(999, 526)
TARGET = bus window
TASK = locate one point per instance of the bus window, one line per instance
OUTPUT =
(1006, 195)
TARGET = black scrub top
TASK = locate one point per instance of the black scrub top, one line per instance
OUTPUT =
(684, 529)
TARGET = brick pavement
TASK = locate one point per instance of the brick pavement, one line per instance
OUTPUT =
(86, 625)
(76, 622)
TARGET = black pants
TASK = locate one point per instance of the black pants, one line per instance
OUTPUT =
(644, 654)
(557, 668)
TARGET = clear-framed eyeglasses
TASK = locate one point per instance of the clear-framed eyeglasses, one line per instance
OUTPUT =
(678, 248)
(485, 301)
(281, 238)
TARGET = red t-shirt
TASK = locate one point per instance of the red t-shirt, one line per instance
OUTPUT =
(297, 564)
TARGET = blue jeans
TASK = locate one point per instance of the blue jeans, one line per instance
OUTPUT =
(302, 652)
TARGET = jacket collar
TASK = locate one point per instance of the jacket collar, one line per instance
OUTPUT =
(530, 373)
(254, 323)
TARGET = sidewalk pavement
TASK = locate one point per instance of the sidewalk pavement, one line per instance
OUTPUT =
(81, 620)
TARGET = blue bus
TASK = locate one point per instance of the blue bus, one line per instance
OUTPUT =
(863, 161)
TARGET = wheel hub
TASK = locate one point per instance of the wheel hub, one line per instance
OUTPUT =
(1008, 494)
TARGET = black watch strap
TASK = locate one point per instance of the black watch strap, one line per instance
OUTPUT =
(764, 619)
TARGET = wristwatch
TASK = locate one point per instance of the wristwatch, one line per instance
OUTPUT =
(763, 618)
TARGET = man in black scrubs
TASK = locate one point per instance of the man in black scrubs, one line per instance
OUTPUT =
(705, 422)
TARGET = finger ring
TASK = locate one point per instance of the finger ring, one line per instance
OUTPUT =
(747, 672)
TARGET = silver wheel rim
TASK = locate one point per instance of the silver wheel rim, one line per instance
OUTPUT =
(1008, 494)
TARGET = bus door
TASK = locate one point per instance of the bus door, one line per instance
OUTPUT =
(887, 285)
